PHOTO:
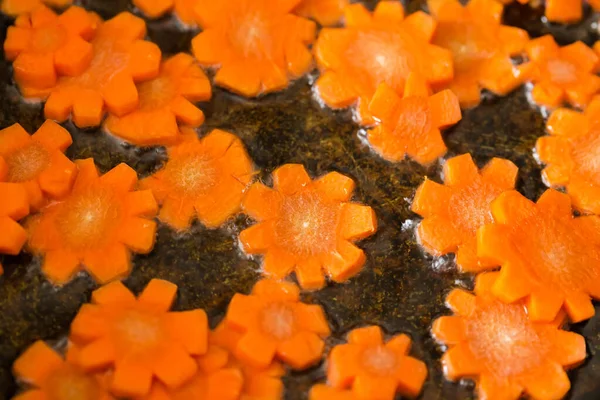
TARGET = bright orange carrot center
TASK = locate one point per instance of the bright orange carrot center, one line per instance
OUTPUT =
(192, 174)
(47, 39)
(250, 35)
(586, 153)
(468, 43)
(137, 331)
(561, 72)
(469, 206)
(108, 60)
(156, 93)
(503, 337)
(379, 360)
(307, 224)
(277, 320)
(68, 383)
(27, 162)
(413, 118)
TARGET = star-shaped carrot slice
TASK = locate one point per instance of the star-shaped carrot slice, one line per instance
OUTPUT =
(410, 125)
(324, 392)
(481, 47)
(277, 326)
(165, 102)
(14, 205)
(572, 155)
(17, 7)
(307, 226)
(120, 58)
(43, 46)
(37, 162)
(96, 226)
(52, 377)
(139, 338)
(257, 46)
(325, 12)
(547, 256)
(204, 177)
(374, 369)
(184, 9)
(498, 346)
(561, 74)
(383, 46)
(454, 211)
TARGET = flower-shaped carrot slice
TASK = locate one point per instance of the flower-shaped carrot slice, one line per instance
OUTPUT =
(325, 12)
(572, 155)
(96, 225)
(411, 125)
(203, 177)
(140, 338)
(52, 377)
(324, 392)
(377, 47)
(37, 162)
(18, 7)
(375, 370)
(454, 211)
(276, 325)
(561, 74)
(257, 45)
(119, 58)
(547, 256)
(184, 9)
(481, 47)
(43, 46)
(502, 349)
(307, 226)
(164, 102)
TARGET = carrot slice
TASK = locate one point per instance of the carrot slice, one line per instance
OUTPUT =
(307, 226)
(255, 46)
(481, 47)
(165, 103)
(410, 125)
(183, 9)
(44, 46)
(86, 226)
(324, 392)
(561, 74)
(203, 177)
(375, 48)
(140, 338)
(503, 350)
(453, 212)
(325, 12)
(374, 369)
(547, 256)
(273, 324)
(37, 163)
(52, 377)
(15, 8)
(120, 58)
(570, 154)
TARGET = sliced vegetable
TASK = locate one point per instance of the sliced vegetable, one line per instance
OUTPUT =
(324, 392)
(498, 346)
(204, 177)
(14, 205)
(184, 9)
(15, 8)
(96, 225)
(307, 226)
(454, 211)
(325, 12)
(165, 103)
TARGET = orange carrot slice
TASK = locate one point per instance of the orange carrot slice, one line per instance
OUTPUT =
(184, 9)
(307, 226)
(256, 45)
(481, 47)
(324, 392)
(374, 369)
(571, 153)
(97, 225)
(164, 103)
(119, 59)
(375, 48)
(14, 205)
(51, 377)
(140, 338)
(43, 46)
(325, 12)
(276, 325)
(37, 162)
(561, 11)
(561, 74)
(17, 7)
(547, 256)
(454, 211)
(204, 177)
(498, 346)
(411, 125)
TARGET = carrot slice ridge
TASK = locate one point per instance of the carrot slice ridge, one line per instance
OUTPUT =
(93, 226)
(504, 351)
(454, 211)
(307, 226)
(325, 12)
